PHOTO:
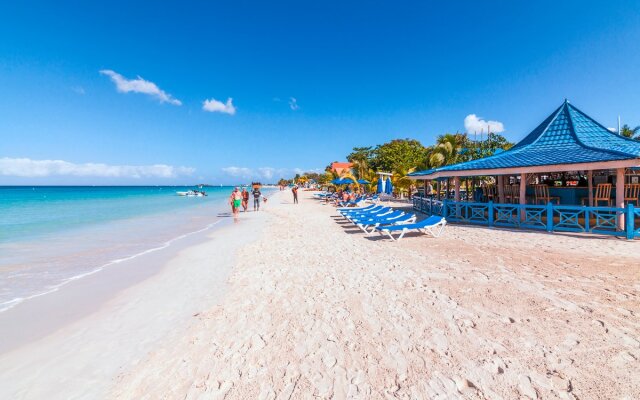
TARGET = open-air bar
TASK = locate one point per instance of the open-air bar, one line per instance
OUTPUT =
(569, 174)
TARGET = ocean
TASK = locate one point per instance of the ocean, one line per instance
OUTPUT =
(52, 235)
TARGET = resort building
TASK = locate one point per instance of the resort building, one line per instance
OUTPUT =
(340, 167)
(569, 173)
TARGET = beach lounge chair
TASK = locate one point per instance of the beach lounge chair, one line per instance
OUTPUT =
(357, 211)
(434, 225)
(351, 210)
(351, 203)
(374, 223)
(359, 219)
(378, 212)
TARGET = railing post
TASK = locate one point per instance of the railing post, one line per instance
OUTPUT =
(630, 221)
(444, 208)
(587, 219)
(431, 205)
(490, 211)
(549, 217)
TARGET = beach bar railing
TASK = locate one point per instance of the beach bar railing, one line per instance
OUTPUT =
(549, 217)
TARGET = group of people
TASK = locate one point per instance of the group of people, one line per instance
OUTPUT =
(241, 199)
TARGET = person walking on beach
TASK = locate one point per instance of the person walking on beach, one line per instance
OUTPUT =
(235, 200)
(256, 198)
(245, 199)
(294, 190)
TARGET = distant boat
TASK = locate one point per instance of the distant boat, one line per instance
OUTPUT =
(192, 193)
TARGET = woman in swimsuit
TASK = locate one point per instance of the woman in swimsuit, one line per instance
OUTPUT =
(245, 199)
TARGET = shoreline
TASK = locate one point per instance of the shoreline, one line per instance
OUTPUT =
(100, 306)
(299, 303)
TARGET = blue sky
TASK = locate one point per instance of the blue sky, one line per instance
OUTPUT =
(361, 74)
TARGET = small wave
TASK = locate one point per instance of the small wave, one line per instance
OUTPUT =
(15, 301)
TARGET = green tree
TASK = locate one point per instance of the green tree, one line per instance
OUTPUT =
(360, 154)
(398, 154)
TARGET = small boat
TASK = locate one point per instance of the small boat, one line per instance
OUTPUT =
(192, 193)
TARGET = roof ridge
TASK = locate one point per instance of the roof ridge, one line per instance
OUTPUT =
(554, 114)
(581, 143)
(603, 127)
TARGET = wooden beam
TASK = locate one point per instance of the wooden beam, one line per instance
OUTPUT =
(535, 169)
(620, 195)
(501, 189)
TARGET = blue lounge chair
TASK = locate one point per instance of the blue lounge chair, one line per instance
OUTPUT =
(372, 210)
(434, 225)
(351, 210)
(396, 220)
(374, 213)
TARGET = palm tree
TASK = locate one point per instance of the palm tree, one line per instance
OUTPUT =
(401, 180)
(446, 151)
(629, 132)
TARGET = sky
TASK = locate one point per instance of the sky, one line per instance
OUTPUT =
(229, 92)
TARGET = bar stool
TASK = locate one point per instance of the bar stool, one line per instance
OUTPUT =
(507, 194)
(632, 193)
(542, 194)
(515, 194)
(603, 193)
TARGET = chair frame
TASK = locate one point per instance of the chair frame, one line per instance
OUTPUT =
(632, 193)
(542, 194)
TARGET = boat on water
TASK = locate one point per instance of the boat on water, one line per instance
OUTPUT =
(192, 193)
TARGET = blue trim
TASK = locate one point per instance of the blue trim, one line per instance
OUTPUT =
(549, 217)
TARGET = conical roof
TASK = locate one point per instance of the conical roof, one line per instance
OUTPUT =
(567, 136)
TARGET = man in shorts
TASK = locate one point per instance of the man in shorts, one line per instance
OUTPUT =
(256, 198)
(236, 201)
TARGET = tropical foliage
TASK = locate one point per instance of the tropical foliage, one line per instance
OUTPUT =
(404, 156)
(629, 132)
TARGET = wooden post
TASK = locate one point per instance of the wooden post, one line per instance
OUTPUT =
(590, 185)
(523, 195)
(620, 196)
(523, 189)
(456, 183)
(501, 189)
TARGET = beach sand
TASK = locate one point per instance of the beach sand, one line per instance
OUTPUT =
(72, 343)
(314, 308)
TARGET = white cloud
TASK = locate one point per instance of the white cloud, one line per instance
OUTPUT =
(476, 125)
(78, 89)
(213, 105)
(25, 167)
(139, 85)
(614, 130)
(293, 103)
(267, 173)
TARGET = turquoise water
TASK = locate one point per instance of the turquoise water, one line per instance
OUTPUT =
(52, 235)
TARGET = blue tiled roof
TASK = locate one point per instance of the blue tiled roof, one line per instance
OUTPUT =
(567, 136)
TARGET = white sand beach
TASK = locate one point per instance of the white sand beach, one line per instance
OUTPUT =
(314, 308)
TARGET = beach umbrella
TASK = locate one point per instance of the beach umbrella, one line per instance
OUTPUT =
(380, 183)
(363, 181)
(389, 186)
(337, 181)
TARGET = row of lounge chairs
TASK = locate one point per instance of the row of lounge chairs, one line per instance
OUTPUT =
(387, 221)
(358, 201)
